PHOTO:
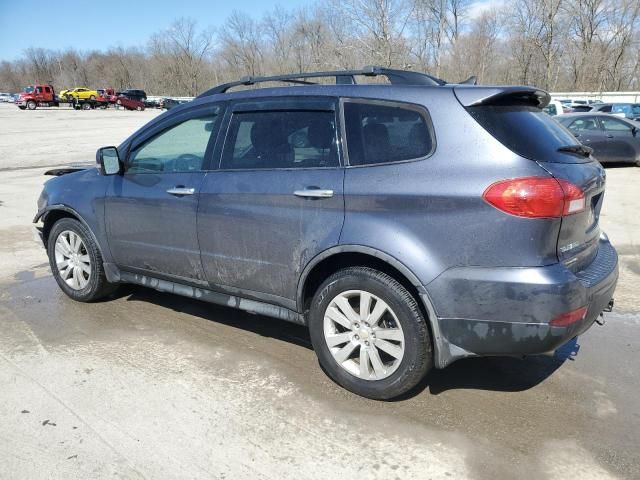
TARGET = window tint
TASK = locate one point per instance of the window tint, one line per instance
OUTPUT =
(385, 133)
(181, 148)
(283, 139)
(583, 124)
(527, 131)
(606, 109)
(613, 125)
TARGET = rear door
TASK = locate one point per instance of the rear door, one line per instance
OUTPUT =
(622, 143)
(276, 200)
(151, 209)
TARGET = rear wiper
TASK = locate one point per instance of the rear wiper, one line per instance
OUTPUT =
(582, 150)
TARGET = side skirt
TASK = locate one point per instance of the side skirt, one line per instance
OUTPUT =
(251, 306)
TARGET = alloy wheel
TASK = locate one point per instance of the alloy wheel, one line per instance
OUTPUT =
(364, 335)
(73, 260)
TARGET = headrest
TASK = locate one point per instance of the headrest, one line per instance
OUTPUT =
(269, 136)
(320, 134)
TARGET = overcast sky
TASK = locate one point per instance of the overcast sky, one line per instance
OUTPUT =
(100, 25)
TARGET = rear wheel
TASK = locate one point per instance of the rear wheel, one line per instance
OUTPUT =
(369, 333)
(76, 262)
(139, 108)
(31, 105)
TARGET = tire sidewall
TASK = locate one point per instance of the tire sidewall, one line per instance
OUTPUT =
(88, 292)
(413, 366)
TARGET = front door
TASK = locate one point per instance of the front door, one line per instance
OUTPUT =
(151, 209)
(589, 132)
(277, 199)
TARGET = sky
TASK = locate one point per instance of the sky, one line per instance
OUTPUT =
(100, 25)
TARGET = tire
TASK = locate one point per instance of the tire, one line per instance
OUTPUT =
(31, 105)
(90, 286)
(138, 108)
(389, 376)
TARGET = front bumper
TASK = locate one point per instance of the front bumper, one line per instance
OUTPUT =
(506, 311)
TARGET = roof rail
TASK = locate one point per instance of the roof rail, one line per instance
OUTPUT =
(342, 77)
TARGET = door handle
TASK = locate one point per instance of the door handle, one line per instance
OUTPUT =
(609, 136)
(180, 191)
(314, 193)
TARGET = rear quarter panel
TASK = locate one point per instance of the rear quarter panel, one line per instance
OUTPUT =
(429, 214)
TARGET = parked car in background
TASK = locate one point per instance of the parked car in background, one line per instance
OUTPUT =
(554, 108)
(129, 102)
(630, 111)
(357, 211)
(6, 97)
(168, 103)
(152, 102)
(612, 139)
(81, 93)
(580, 108)
(133, 93)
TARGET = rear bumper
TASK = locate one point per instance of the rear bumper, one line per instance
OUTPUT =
(506, 311)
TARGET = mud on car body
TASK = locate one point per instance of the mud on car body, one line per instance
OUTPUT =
(408, 225)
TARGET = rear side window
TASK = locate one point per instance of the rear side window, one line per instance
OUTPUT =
(613, 125)
(281, 139)
(527, 131)
(378, 132)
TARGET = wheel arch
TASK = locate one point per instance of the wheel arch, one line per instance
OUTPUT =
(50, 215)
(343, 256)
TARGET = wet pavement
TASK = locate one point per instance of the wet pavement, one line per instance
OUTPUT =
(152, 385)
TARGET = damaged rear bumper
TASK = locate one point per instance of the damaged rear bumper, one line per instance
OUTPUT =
(506, 311)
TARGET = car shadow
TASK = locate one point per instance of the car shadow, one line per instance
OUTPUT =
(614, 165)
(502, 374)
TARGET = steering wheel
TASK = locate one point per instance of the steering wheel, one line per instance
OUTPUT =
(188, 162)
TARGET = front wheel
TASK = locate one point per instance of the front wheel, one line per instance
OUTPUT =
(370, 334)
(31, 105)
(76, 262)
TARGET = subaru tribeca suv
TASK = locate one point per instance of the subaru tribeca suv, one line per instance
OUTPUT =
(407, 224)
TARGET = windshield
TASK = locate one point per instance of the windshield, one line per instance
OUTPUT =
(527, 131)
(28, 89)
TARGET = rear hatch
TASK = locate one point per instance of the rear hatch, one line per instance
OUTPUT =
(513, 116)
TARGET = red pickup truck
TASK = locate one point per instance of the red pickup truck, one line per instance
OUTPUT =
(35, 96)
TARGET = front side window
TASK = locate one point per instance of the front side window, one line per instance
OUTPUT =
(613, 125)
(626, 109)
(281, 139)
(383, 133)
(181, 148)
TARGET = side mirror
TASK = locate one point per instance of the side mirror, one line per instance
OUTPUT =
(109, 160)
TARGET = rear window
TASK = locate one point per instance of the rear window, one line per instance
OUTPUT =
(527, 131)
(379, 132)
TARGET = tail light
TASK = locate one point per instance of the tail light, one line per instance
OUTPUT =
(536, 197)
(566, 319)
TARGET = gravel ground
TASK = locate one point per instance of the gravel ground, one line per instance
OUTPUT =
(150, 385)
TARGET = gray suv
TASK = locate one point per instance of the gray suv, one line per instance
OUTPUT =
(407, 224)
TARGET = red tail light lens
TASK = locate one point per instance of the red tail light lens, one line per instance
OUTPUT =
(568, 318)
(536, 197)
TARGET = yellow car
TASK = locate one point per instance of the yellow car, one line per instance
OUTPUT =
(82, 94)
(62, 93)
